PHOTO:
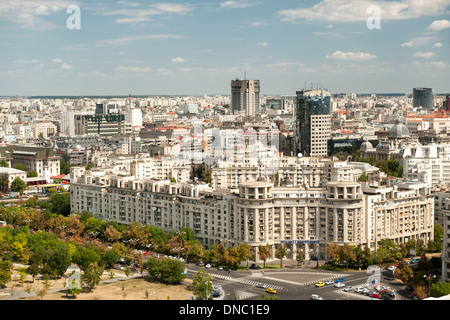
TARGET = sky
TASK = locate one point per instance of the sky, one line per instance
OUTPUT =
(101, 47)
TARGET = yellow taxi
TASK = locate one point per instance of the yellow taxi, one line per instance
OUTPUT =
(271, 290)
(320, 284)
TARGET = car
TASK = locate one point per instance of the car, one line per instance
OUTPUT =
(216, 293)
(369, 293)
(348, 288)
(316, 297)
(359, 290)
(320, 284)
(254, 266)
(340, 280)
(329, 282)
(271, 290)
(220, 268)
(339, 285)
(414, 260)
(375, 295)
(262, 285)
(207, 265)
(391, 268)
(366, 291)
(217, 287)
(201, 264)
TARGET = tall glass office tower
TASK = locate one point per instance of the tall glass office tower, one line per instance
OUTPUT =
(245, 97)
(423, 97)
(312, 122)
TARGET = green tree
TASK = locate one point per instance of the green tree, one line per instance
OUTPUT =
(92, 275)
(5, 272)
(153, 267)
(172, 271)
(18, 185)
(202, 285)
(59, 259)
(32, 174)
(20, 166)
(265, 252)
(280, 253)
(60, 203)
(439, 289)
(4, 163)
(85, 256)
(4, 182)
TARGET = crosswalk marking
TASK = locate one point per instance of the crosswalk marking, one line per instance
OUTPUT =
(254, 283)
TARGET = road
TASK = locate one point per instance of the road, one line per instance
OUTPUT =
(296, 284)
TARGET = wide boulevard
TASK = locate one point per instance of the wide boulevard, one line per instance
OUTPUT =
(297, 284)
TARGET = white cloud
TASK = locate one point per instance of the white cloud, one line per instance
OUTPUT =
(132, 20)
(66, 66)
(424, 55)
(177, 60)
(263, 44)
(142, 14)
(438, 64)
(356, 10)
(29, 13)
(133, 69)
(258, 23)
(231, 4)
(26, 61)
(125, 40)
(419, 41)
(57, 60)
(353, 56)
(437, 45)
(439, 25)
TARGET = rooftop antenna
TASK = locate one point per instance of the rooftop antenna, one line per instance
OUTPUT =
(245, 75)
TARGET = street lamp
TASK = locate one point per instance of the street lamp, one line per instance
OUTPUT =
(429, 277)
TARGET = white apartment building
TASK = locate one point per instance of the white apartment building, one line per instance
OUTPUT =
(302, 218)
(427, 163)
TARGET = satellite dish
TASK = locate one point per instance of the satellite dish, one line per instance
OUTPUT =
(300, 155)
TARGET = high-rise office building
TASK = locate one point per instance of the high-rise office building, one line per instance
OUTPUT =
(312, 122)
(423, 97)
(245, 97)
(447, 103)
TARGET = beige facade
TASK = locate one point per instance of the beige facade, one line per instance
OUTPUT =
(303, 219)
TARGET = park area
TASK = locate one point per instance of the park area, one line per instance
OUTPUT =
(120, 287)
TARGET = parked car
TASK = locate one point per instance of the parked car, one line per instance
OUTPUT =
(375, 295)
(366, 291)
(271, 290)
(391, 268)
(359, 290)
(414, 260)
(316, 297)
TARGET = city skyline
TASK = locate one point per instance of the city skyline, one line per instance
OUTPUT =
(197, 47)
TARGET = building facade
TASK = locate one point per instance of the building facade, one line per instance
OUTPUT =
(245, 97)
(258, 213)
(312, 122)
(423, 97)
